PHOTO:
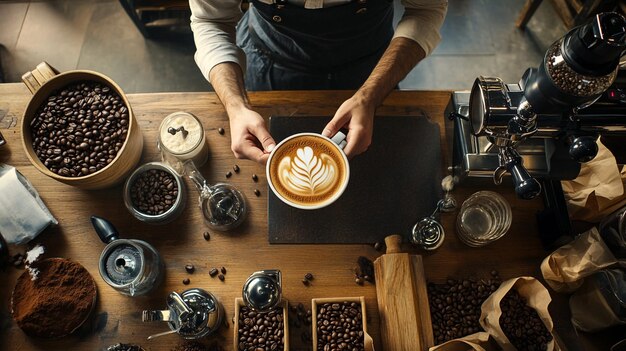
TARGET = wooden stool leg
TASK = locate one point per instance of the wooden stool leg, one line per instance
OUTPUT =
(527, 12)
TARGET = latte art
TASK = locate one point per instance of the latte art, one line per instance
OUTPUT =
(307, 173)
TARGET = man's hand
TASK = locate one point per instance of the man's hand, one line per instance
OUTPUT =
(357, 115)
(249, 137)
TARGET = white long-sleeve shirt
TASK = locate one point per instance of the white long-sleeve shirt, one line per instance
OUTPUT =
(213, 24)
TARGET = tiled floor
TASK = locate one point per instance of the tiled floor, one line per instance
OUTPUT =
(479, 38)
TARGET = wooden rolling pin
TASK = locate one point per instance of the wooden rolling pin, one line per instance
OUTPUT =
(405, 322)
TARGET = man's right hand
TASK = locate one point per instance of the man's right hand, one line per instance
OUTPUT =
(250, 138)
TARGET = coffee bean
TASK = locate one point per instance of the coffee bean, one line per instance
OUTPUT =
(305, 282)
(207, 236)
(260, 331)
(521, 323)
(236, 168)
(154, 192)
(221, 277)
(358, 280)
(186, 281)
(220, 130)
(308, 276)
(223, 270)
(67, 125)
(255, 178)
(340, 326)
(257, 192)
(378, 246)
(213, 272)
(190, 268)
(229, 174)
(455, 306)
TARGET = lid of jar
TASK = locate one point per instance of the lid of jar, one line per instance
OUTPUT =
(180, 133)
(262, 290)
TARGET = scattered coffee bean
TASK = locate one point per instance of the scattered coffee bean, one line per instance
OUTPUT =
(190, 346)
(261, 331)
(213, 272)
(223, 270)
(190, 268)
(257, 192)
(255, 178)
(308, 276)
(365, 269)
(186, 281)
(124, 347)
(229, 174)
(154, 192)
(358, 280)
(378, 246)
(220, 130)
(340, 326)
(206, 236)
(221, 277)
(236, 168)
(455, 306)
(522, 325)
(305, 282)
(79, 129)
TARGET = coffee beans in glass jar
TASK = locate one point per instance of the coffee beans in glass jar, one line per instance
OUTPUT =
(340, 326)
(455, 306)
(261, 331)
(522, 325)
(154, 191)
(80, 129)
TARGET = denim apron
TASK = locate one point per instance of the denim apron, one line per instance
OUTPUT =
(292, 48)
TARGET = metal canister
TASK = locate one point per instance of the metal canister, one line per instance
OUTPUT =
(132, 267)
(262, 291)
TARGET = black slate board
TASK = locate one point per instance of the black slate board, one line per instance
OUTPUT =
(395, 182)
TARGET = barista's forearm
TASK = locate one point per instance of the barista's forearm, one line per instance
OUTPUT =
(227, 80)
(397, 61)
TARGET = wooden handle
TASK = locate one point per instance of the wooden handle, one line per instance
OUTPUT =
(393, 243)
(39, 76)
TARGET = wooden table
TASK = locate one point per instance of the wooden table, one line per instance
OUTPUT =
(118, 317)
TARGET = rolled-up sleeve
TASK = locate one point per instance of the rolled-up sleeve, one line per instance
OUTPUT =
(422, 21)
(213, 24)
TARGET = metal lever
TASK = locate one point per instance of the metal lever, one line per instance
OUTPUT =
(526, 187)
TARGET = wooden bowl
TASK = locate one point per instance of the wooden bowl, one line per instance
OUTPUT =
(367, 340)
(285, 306)
(42, 82)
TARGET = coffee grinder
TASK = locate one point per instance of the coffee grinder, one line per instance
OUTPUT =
(544, 126)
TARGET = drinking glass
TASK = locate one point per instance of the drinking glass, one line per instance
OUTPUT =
(483, 218)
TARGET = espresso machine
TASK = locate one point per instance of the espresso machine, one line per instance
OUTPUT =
(542, 128)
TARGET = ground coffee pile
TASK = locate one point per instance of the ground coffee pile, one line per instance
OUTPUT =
(57, 302)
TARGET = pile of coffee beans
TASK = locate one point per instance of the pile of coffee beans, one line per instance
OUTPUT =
(570, 81)
(340, 327)
(80, 129)
(195, 346)
(522, 325)
(455, 306)
(124, 347)
(261, 331)
(364, 272)
(154, 191)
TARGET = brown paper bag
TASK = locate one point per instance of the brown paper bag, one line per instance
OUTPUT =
(536, 296)
(565, 269)
(598, 190)
(474, 342)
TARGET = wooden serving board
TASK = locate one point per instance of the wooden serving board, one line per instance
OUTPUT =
(405, 322)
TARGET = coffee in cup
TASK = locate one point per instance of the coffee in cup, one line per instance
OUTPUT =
(308, 170)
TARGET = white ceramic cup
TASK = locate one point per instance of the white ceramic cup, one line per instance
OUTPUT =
(338, 141)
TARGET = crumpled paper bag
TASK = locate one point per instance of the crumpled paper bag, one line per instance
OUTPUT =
(536, 296)
(23, 215)
(598, 190)
(474, 342)
(565, 269)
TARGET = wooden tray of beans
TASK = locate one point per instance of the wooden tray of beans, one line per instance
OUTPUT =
(261, 331)
(340, 323)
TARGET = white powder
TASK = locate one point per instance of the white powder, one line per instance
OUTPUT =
(31, 256)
